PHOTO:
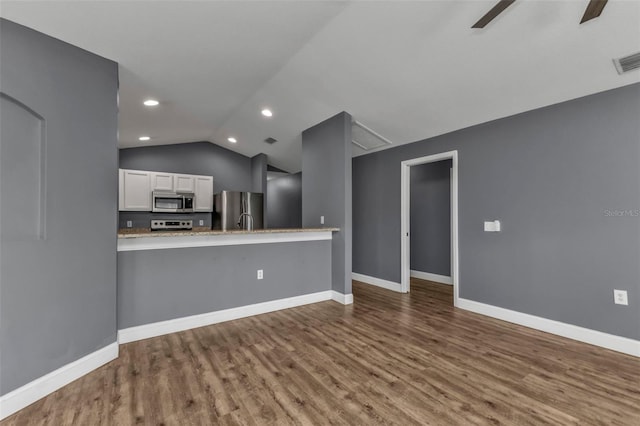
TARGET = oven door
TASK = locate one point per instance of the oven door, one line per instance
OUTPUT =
(168, 203)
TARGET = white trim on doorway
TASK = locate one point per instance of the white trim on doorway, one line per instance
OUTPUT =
(379, 282)
(442, 279)
(405, 211)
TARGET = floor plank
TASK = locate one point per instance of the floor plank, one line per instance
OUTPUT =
(390, 358)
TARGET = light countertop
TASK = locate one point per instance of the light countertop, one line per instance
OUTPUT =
(147, 240)
(139, 233)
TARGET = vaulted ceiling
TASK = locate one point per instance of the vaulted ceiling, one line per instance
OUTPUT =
(408, 70)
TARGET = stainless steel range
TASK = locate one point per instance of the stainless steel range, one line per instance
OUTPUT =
(169, 224)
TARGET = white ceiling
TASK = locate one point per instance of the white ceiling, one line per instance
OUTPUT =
(408, 70)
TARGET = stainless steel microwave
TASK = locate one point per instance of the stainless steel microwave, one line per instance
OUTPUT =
(173, 202)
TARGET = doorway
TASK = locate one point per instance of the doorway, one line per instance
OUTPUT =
(405, 255)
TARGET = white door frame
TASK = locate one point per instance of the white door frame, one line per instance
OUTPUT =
(405, 212)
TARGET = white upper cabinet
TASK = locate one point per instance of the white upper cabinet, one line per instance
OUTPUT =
(135, 190)
(162, 181)
(184, 183)
(203, 194)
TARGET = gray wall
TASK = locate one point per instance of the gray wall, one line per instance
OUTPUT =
(326, 189)
(231, 171)
(57, 267)
(431, 218)
(284, 202)
(555, 178)
(259, 182)
(152, 287)
(259, 173)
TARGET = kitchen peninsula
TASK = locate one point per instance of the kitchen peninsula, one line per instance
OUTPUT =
(173, 281)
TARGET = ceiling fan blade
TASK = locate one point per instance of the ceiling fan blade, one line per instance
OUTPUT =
(594, 9)
(495, 11)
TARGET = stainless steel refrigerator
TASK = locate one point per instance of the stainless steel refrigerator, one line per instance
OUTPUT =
(238, 210)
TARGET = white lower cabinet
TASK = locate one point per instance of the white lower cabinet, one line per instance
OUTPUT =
(203, 194)
(135, 190)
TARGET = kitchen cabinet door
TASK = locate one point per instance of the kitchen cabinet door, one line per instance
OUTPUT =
(162, 181)
(135, 190)
(204, 194)
(184, 183)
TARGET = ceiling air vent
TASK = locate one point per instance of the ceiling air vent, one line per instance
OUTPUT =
(628, 63)
(365, 138)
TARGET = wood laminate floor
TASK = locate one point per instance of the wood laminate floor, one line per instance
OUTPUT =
(387, 359)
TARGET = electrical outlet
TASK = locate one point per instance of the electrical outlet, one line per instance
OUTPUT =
(620, 297)
(129, 224)
(321, 220)
(260, 274)
(201, 222)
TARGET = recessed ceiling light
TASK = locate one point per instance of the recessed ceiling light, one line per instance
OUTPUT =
(267, 112)
(144, 138)
(232, 140)
(151, 102)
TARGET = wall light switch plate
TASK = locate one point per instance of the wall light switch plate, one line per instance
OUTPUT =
(260, 274)
(620, 297)
(129, 224)
(321, 220)
(492, 226)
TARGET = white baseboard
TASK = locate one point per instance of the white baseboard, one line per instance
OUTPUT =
(345, 299)
(31, 392)
(147, 331)
(586, 335)
(389, 285)
(442, 279)
(41, 387)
